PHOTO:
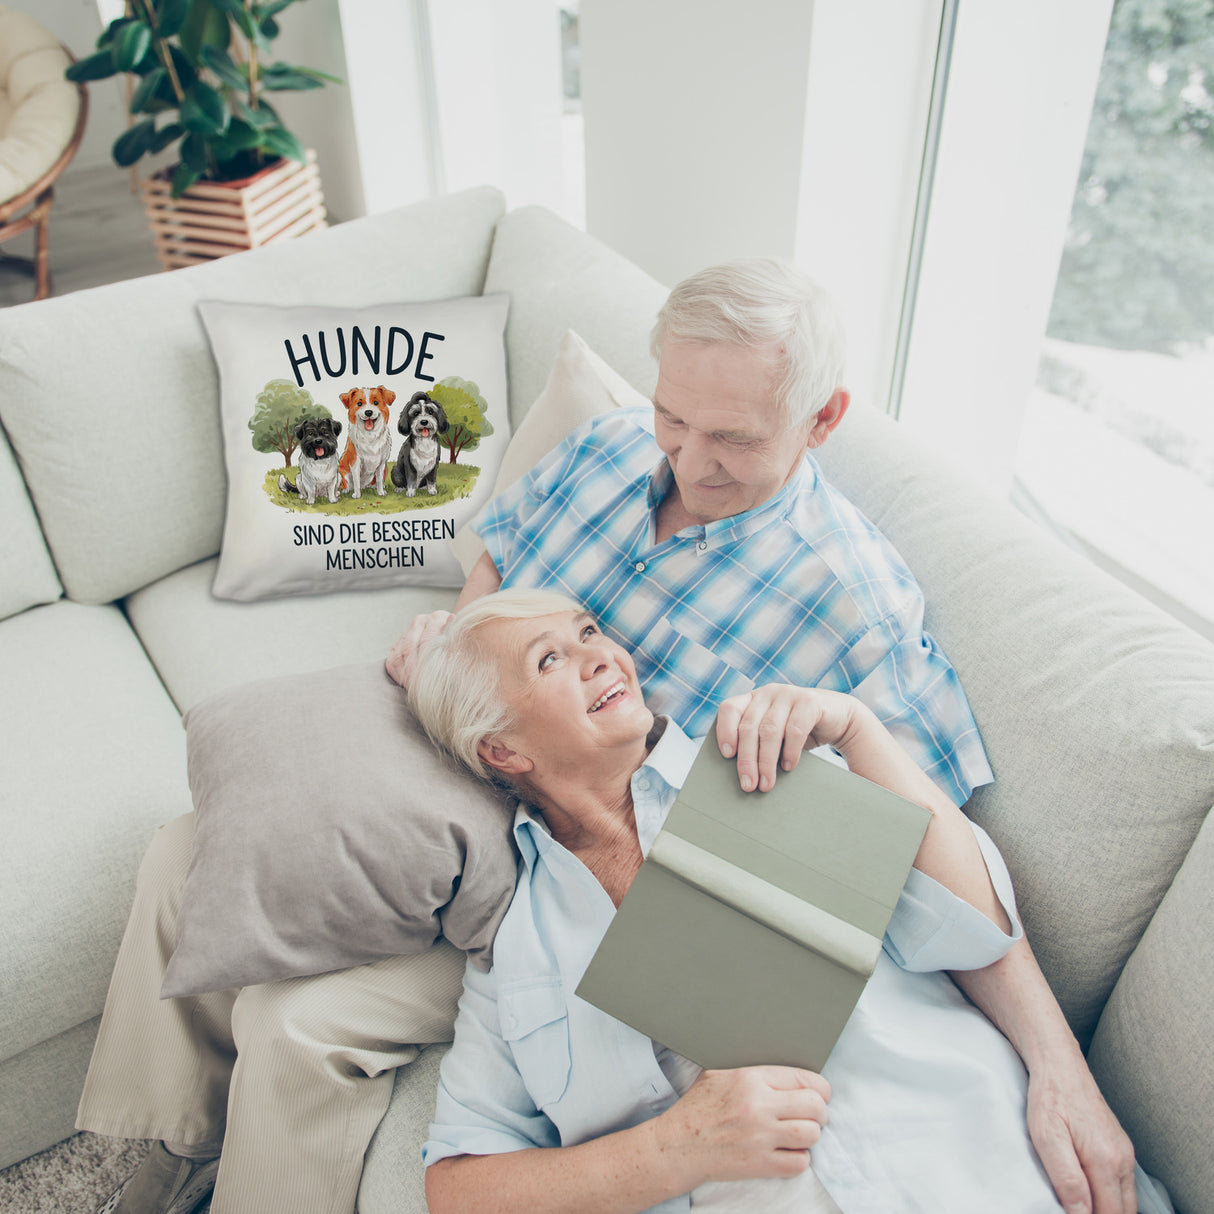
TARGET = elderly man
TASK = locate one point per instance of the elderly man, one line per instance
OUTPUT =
(704, 538)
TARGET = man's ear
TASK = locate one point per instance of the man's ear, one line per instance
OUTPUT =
(495, 754)
(829, 416)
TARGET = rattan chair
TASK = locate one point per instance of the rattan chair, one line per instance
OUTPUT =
(42, 118)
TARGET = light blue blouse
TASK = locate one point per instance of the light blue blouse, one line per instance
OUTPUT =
(928, 1104)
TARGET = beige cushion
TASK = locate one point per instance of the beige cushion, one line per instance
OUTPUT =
(329, 832)
(141, 370)
(1096, 710)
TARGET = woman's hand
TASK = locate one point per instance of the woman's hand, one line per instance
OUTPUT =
(401, 661)
(750, 1122)
(770, 727)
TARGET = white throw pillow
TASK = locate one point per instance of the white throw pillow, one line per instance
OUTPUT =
(330, 486)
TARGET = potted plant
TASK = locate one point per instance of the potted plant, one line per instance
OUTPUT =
(201, 71)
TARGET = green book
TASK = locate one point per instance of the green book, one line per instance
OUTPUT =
(755, 921)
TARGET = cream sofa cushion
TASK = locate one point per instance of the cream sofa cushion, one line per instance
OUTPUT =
(94, 761)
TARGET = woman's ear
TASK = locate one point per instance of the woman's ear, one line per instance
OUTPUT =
(494, 753)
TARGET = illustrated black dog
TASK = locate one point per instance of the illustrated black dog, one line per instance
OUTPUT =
(319, 474)
(417, 464)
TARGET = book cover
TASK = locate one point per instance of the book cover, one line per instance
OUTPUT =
(755, 921)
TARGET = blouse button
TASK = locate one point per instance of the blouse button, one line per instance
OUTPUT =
(702, 545)
(639, 566)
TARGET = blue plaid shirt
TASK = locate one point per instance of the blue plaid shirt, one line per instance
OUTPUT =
(802, 589)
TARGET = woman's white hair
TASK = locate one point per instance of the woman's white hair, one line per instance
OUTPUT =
(454, 691)
(763, 303)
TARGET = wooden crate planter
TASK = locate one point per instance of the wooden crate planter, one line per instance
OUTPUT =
(215, 218)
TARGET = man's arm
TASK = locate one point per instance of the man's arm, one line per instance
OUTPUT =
(483, 579)
(1087, 1155)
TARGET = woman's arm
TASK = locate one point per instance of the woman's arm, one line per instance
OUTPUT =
(769, 728)
(730, 1125)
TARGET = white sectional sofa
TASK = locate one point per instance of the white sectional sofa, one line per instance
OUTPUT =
(1097, 711)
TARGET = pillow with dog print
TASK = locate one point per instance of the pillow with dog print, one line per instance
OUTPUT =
(357, 440)
(305, 864)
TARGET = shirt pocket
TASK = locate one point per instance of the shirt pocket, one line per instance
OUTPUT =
(681, 671)
(535, 1024)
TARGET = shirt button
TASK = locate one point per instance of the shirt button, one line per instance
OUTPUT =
(703, 545)
(639, 566)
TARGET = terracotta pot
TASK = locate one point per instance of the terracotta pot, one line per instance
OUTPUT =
(215, 218)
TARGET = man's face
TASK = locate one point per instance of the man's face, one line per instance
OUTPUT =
(716, 419)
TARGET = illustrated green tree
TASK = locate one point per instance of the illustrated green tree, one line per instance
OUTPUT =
(281, 406)
(465, 408)
(1138, 268)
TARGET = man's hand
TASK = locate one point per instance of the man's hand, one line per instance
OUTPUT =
(770, 727)
(400, 661)
(1087, 1155)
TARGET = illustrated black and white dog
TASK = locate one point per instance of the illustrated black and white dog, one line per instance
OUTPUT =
(319, 474)
(417, 464)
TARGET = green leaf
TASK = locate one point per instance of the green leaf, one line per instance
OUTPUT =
(269, 30)
(183, 178)
(144, 97)
(131, 144)
(261, 118)
(281, 142)
(187, 73)
(279, 77)
(171, 16)
(166, 135)
(195, 154)
(225, 67)
(203, 112)
(95, 67)
(205, 26)
(133, 41)
(241, 137)
(110, 32)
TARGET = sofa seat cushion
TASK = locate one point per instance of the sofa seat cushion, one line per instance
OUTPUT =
(559, 279)
(29, 574)
(1096, 709)
(94, 762)
(152, 402)
(202, 645)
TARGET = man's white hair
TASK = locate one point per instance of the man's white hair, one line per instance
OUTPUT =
(454, 691)
(763, 303)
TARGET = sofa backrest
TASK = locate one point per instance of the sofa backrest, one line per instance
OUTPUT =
(110, 397)
(29, 574)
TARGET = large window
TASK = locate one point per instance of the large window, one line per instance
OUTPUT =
(1117, 444)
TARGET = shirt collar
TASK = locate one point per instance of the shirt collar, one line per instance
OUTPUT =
(737, 526)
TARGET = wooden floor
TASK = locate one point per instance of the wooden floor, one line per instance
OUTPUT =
(98, 234)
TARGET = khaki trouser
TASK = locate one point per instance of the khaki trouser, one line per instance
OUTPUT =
(293, 1076)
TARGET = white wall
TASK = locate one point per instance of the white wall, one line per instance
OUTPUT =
(694, 125)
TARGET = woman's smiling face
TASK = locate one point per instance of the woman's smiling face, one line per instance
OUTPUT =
(572, 691)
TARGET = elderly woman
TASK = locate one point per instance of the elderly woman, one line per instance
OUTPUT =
(547, 1103)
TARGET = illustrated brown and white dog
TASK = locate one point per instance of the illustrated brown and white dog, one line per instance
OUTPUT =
(365, 459)
(318, 475)
(417, 464)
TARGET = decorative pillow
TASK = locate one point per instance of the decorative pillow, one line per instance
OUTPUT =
(356, 440)
(323, 841)
(580, 386)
